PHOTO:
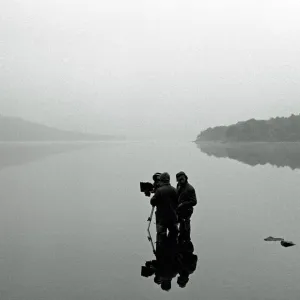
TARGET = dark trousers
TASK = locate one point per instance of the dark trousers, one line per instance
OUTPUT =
(185, 228)
(162, 229)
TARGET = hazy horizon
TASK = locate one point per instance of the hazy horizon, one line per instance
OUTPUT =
(148, 69)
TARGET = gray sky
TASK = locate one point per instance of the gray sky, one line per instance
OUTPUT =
(148, 68)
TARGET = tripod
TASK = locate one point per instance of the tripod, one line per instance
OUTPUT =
(148, 230)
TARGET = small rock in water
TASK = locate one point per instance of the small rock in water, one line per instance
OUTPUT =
(282, 241)
(287, 243)
(272, 239)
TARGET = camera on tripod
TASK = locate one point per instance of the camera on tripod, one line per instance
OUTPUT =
(148, 269)
(147, 187)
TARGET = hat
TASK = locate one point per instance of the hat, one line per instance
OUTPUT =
(180, 174)
(165, 177)
(156, 176)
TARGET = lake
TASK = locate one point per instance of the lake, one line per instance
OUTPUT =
(73, 222)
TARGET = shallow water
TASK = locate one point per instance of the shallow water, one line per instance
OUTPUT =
(73, 224)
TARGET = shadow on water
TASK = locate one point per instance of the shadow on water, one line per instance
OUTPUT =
(276, 154)
(172, 259)
(13, 154)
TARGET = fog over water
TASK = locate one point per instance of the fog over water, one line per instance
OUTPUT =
(72, 218)
(148, 69)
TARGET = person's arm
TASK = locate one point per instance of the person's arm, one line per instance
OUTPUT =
(155, 198)
(191, 198)
(177, 199)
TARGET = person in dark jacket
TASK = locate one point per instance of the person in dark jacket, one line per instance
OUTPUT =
(186, 201)
(166, 202)
(156, 181)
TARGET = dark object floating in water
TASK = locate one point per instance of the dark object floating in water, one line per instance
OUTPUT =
(272, 239)
(282, 241)
(287, 244)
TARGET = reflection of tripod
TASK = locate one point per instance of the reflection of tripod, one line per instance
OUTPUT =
(148, 230)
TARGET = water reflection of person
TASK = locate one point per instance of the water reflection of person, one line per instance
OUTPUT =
(164, 267)
(167, 268)
(172, 259)
(187, 262)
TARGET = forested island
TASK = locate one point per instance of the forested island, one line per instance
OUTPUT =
(18, 130)
(280, 129)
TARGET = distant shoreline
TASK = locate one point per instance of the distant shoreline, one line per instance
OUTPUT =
(16, 130)
(63, 142)
(274, 130)
(244, 143)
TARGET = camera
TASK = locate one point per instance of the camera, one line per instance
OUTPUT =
(147, 187)
(149, 269)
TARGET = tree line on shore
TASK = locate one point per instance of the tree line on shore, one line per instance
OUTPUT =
(279, 129)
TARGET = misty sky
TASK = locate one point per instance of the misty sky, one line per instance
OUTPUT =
(152, 68)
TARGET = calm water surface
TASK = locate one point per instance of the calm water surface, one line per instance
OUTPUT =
(73, 223)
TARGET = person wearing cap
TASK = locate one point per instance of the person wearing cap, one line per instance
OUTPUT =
(156, 181)
(186, 201)
(166, 202)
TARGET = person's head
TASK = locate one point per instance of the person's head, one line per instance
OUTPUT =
(182, 281)
(166, 285)
(181, 178)
(157, 279)
(164, 178)
(156, 177)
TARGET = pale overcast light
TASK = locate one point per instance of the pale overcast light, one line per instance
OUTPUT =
(152, 69)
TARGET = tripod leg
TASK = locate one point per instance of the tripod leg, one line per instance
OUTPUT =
(148, 229)
(151, 214)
